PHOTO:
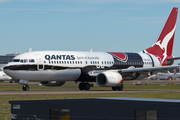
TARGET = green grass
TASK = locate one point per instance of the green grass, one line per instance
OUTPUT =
(4, 99)
(73, 86)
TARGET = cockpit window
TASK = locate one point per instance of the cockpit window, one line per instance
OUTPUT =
(16, 60)
(25, 60)
(31, 60)
(21, 61)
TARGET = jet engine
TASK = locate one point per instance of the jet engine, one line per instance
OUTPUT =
(109, 79)
(52, 83)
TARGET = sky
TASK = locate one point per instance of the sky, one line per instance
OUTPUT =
(82, 25)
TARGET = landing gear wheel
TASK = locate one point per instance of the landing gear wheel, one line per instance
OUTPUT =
(120, 88)
(86, 86)
(25, 88)
(114, 88)
(81, 86)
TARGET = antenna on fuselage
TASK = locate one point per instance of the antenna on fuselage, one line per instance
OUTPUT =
(91, 50)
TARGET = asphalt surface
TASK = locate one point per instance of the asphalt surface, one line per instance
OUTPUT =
(78, 92)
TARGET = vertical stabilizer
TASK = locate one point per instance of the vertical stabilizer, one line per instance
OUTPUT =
(164, 45)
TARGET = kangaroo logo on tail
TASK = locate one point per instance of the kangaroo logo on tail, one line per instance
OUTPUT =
(164, 45)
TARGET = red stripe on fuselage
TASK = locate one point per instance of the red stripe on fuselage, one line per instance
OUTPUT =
(119, 55)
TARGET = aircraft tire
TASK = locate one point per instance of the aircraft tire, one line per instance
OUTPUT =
(25, 88)
(114, 88)
(86, 86)
(81, 86)
(120, 88)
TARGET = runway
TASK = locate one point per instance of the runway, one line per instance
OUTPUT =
(78, 92)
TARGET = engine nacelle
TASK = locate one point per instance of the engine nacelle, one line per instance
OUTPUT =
(52, 83)
(109, 79)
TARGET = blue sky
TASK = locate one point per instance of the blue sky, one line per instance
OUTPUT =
(78, 25)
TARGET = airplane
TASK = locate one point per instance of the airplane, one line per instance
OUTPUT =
(4, 77)
(107, 69)
(165, 76)
(162, 76)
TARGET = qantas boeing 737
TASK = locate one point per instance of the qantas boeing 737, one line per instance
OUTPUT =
(107, 69)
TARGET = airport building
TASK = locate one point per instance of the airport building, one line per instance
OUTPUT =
(117, 108)
(4, 59)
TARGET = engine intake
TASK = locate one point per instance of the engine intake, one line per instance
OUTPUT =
(109, 79)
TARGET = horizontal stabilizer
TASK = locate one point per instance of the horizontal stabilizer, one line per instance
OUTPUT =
(172, 59)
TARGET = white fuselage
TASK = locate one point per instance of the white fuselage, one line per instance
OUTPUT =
(71, 66)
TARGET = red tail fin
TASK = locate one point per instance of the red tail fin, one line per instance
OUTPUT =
(164, 44)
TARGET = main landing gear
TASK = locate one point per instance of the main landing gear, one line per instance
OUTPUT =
(25, 87)
(84, 86)
(119, 88)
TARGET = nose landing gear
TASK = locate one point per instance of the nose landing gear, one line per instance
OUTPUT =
(25, 88)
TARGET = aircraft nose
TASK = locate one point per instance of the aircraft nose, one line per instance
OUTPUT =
(7, 70)
(10, 68)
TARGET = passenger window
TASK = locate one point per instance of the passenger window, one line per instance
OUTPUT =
(21, 61)
(67, 62)
(31, 60)
(86, 62)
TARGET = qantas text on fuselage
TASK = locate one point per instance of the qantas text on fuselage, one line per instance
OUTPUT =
(107, 69)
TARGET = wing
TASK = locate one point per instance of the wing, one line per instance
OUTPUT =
(132, 70)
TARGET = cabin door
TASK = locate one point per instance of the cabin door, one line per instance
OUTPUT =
(40, 63)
